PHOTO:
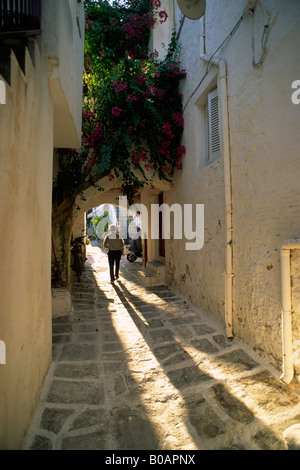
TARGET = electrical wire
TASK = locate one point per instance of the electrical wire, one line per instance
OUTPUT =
(234, 29)
(264, 39)
(255, 63)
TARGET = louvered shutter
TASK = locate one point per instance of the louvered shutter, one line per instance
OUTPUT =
(213, 133)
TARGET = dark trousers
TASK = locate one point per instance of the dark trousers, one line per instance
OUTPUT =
(114, 258)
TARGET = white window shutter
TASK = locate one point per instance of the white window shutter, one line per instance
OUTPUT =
(213, 133)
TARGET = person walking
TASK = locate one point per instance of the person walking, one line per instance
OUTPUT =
(115, 246)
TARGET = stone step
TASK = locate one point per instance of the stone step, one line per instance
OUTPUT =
(156, 267)
(146, 277)
(153, 275)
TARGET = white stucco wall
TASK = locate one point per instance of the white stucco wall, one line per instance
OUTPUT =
(27, 137)
(63, 25)
(26, 147)
(265, 168)
(265, 171)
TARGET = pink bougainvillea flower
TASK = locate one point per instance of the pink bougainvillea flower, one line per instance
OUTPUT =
(88, 114)
(135, 158)
(116, 111)
(140, 79)
(166, 129)
(91, 160)
(71, 152)
(163, 15)
(89, 23)
(166, 144)
(163, 151)
(181, 150)
(178, 119)
(132, 130)
(148, 166)
(143, 155)
(133, 97)
(95, 138)
(174, 71)
(154, 55)
(155, 3)
(119, 86)
(152, 90)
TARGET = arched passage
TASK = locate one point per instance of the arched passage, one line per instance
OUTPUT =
(110, 193)
(74, 222)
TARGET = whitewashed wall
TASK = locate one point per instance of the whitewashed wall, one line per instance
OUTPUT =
(26, 149)
(265, 168)
(27, 136)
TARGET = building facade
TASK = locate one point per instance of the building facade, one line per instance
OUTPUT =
(41, 72)
(241, 166)
(241, 114)
(242, 163)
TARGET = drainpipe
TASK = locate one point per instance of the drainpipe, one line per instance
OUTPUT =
(224, 120)
(286, 312)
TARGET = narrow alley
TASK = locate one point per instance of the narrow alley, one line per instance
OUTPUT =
(136, 368)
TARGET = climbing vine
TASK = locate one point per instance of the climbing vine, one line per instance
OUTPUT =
(132, 107)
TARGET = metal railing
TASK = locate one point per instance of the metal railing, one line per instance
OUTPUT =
(20, 18)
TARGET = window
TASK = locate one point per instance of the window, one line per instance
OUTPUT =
(20, 18)
(212, 126)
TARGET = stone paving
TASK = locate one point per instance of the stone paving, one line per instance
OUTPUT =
(137, 368)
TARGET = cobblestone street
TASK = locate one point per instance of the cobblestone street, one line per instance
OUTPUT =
(138, 368)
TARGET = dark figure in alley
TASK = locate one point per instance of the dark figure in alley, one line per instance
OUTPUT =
(115, 246)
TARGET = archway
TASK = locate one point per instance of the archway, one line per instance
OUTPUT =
(74, 223)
